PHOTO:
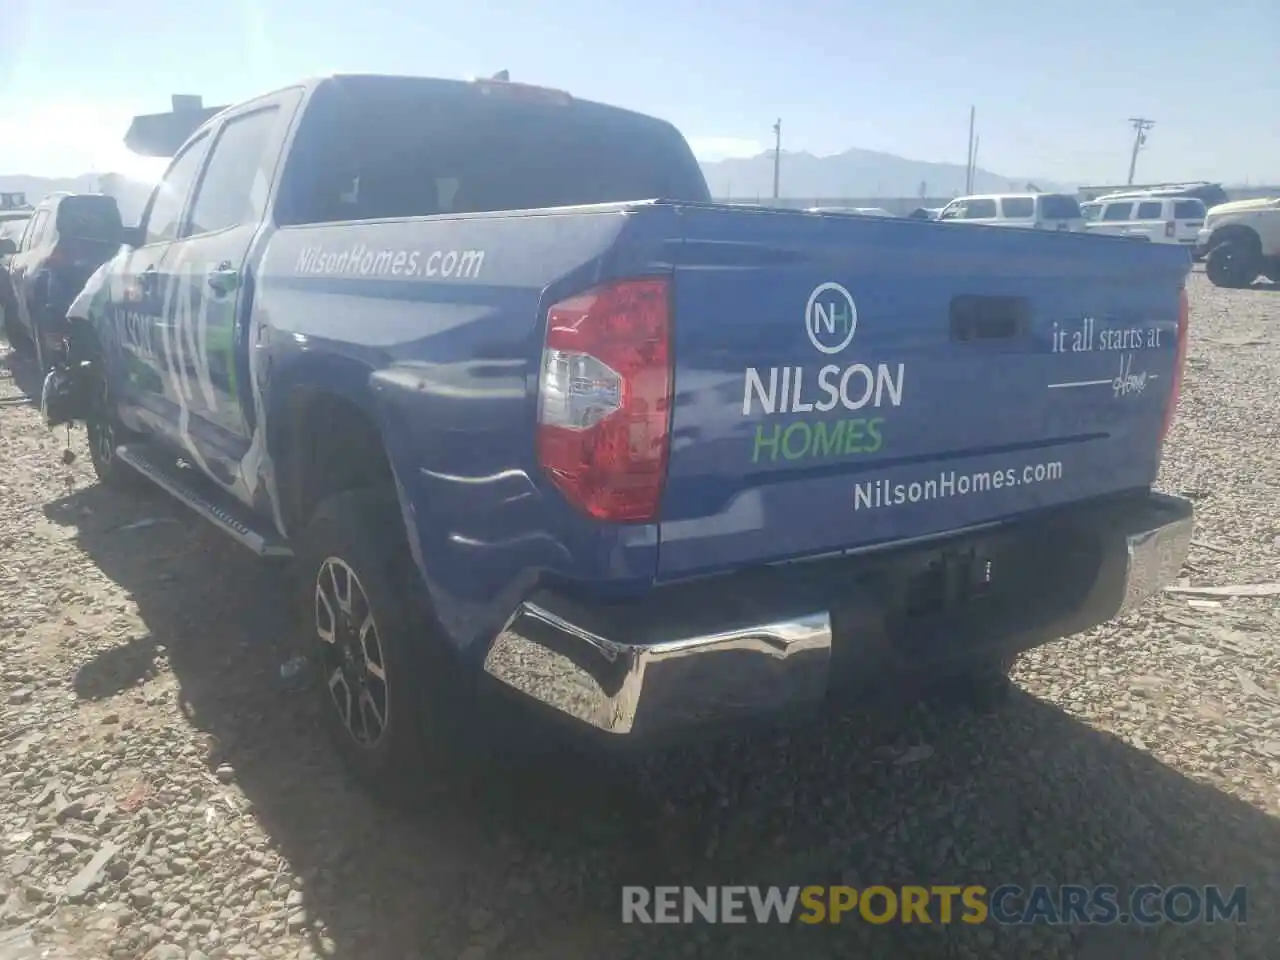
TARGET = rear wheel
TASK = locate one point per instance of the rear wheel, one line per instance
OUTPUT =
(106, 433)
(388, 689)
(14, 332)
(1233, 264)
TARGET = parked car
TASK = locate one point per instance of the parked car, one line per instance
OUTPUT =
(11, 230)
(1210, 194)
(66, 238)
(1241, 241)
(1037, 211)
(1174, 220)
(516, 422)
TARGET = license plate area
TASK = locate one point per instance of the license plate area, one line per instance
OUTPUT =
(949, 583)
(980, 591)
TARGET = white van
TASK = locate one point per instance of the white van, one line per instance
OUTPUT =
(1034, 211)
(1157, 219)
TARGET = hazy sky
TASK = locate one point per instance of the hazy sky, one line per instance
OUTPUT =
(1054, 85)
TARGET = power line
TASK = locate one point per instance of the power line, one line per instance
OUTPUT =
(777, 154)
(1140, 128)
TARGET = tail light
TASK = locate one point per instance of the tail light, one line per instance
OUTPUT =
(1169, 228)
(604, 399)
(1179, 364)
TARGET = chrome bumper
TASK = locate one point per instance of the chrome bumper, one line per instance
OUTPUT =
(688, 681)
(777, 666)
(1155, 555)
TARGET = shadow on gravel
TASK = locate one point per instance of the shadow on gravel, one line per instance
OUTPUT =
(26, 376)
(525, 859)
(117, 670)
(22, 366)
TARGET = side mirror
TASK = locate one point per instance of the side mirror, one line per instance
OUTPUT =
(7, 247)
(132, 236)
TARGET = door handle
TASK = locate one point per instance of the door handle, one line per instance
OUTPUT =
(224, 277)
(146, 280)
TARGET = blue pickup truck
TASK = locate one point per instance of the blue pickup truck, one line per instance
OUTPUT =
(523, 405)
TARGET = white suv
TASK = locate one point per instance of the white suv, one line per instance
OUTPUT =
(1241, 240)
(1158, 219)
(1036, 211)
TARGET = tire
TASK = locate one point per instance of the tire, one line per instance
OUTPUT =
(106, 433)
(388, 690)
(1233, 265)
(14, 332)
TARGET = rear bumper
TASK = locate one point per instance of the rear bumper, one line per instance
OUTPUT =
(774, 641)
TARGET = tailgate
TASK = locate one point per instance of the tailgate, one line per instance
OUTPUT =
(842, 383)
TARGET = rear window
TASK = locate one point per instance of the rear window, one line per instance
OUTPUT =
(1018, 208)
(383, 147)
(1057, 206)
(1188, 210)
(89, 218)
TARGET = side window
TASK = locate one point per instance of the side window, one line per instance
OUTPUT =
(1150, 210)
(952, 211)
(1089, 211)
(24, 242)
(165, 213)
(1188, 210)
(31, 239)
(234, 188)
(1018, 208)
(1113, 212)
(981, 210)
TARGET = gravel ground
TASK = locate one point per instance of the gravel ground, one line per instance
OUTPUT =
(163, 793)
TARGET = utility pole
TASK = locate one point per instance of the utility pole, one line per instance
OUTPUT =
(777, 155)
(1140, 128)
(968, 163)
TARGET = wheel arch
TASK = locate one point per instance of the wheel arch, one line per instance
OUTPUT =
(326, 441)
(1235, 232)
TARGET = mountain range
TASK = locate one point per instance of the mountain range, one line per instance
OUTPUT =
(855, 173)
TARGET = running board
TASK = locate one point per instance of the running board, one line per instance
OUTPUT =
(215, 506)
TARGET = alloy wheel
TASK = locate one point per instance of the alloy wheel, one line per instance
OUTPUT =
(351, 654)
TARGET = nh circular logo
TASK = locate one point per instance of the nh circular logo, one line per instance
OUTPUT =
(830, 318)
